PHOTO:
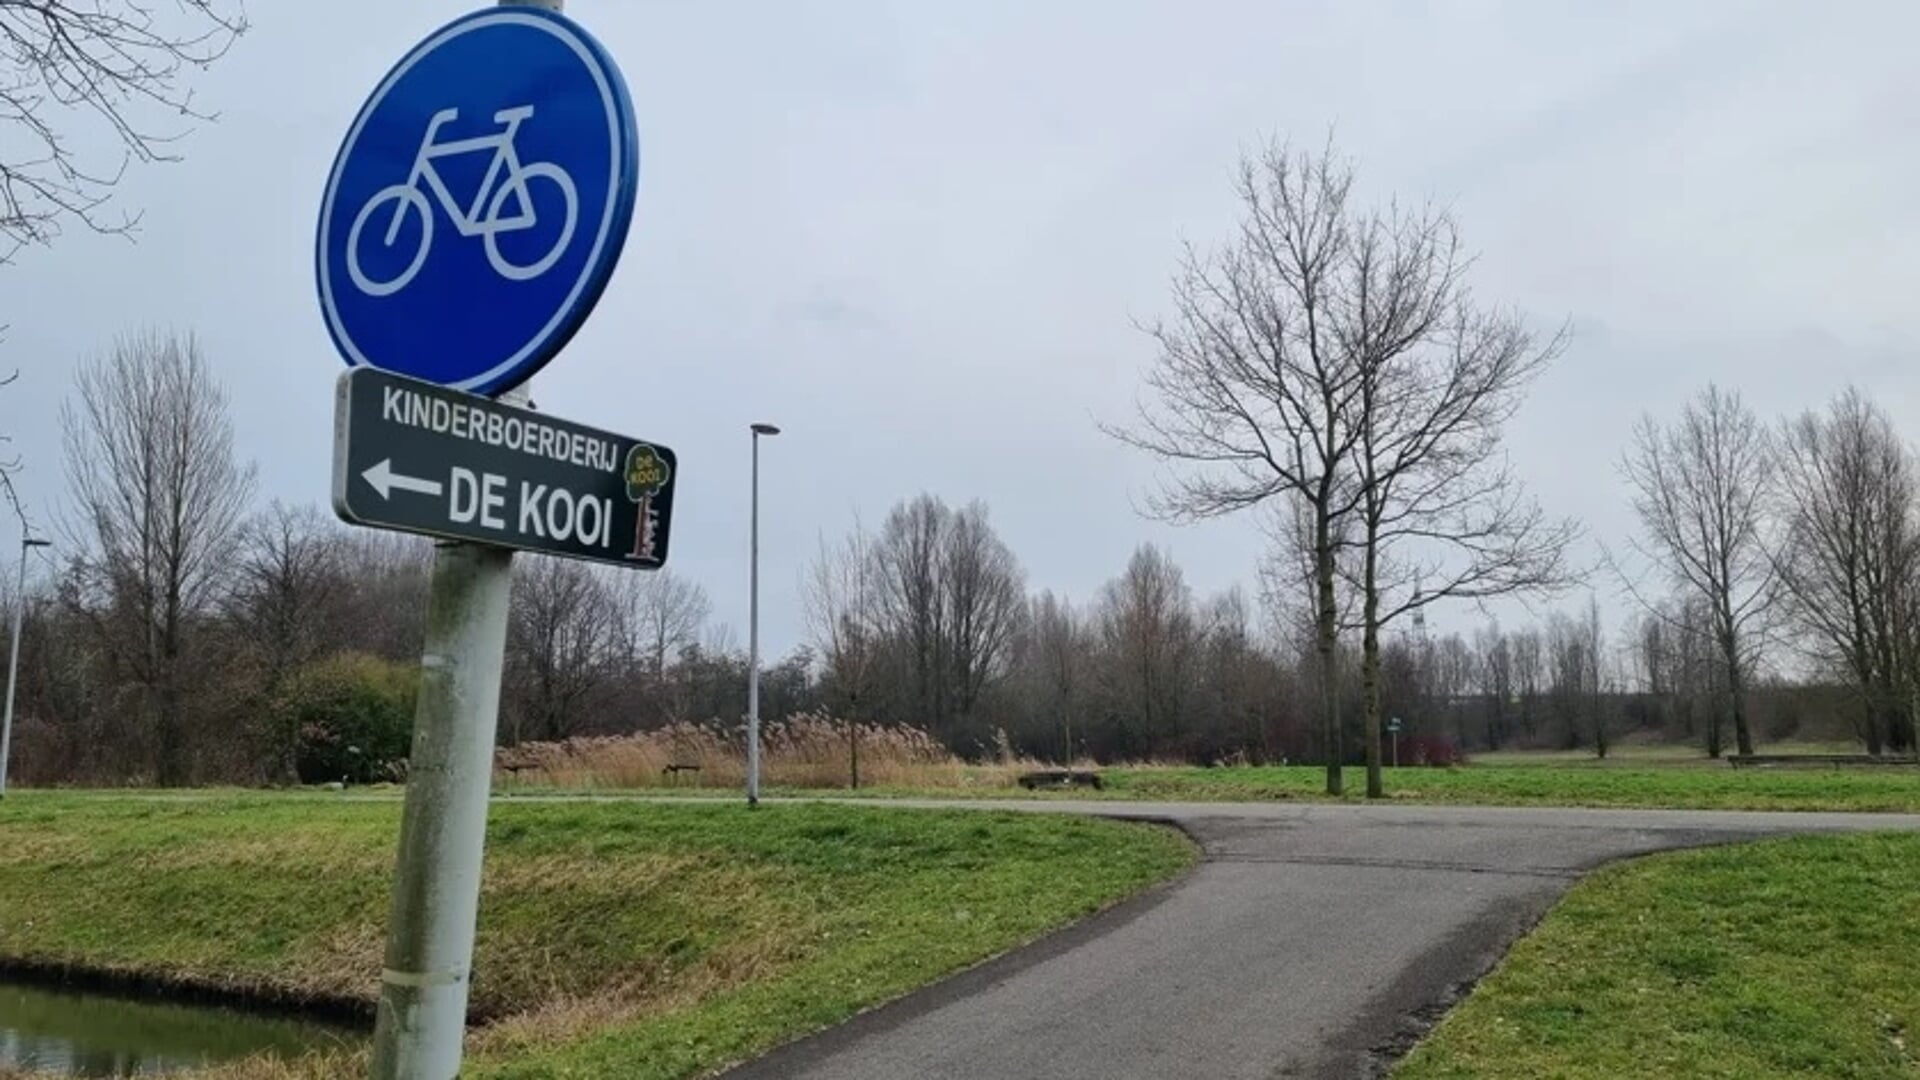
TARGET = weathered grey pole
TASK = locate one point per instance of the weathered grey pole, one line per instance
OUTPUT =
(436, 894)
(421, 1022)
(753, 627)
(27, 543)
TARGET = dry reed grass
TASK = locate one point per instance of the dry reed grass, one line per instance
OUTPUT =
(804, 751)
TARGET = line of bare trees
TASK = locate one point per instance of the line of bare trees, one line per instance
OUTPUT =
(1795, 546)
(181, 627)
(1329, 365)
(174, 635)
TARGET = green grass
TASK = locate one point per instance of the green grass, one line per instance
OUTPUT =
(637, 940)
(1642, 784)
(1718, 788)
(1635, 775)
(1655, 753)
(1790, 958)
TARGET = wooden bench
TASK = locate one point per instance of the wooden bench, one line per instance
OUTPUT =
(1059, 778)
(1817, 761)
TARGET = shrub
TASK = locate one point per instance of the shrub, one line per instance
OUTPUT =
(353, 718)
(1430, 750)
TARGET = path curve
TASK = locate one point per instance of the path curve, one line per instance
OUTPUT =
(1313, 941)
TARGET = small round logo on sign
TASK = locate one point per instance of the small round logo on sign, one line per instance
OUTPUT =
(479, 202)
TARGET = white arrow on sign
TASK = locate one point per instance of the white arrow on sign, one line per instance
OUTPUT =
(386, 481)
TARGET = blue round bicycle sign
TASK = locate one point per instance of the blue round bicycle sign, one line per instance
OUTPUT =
(479, 202)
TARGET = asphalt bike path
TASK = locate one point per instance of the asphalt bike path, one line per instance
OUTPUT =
(1315, 941)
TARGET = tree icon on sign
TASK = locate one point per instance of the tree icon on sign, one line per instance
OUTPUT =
(646, 474)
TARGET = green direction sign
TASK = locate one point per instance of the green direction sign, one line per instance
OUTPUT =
(416, 457)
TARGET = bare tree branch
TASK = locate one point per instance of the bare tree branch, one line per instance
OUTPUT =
(116, 65)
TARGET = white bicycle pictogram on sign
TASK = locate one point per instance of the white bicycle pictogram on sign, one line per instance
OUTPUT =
(506, 177)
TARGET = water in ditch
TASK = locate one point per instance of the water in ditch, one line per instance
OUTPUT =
(69, 1033)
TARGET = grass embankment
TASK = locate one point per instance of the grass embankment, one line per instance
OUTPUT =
(625, 940)
(1790, 958)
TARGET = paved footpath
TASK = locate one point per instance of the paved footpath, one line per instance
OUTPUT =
(1312, 941)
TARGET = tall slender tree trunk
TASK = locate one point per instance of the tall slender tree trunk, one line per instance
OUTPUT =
(172, 764)
(1327, 635)
(853, 741)
(1872, 694)
(1737, 689)
(1066, 731)
(1715, 720)
(1370, 666)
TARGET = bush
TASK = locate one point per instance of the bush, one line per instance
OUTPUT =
(352, 716)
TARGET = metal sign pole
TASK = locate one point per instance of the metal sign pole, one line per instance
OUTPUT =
(27, 543)
(420, 447)
(421, 1025)
(436, 897)
(753, 637)
(753, 626)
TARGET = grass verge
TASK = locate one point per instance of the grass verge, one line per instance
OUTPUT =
(1649, 787)
(632, 940)
(1788, 958)
(1656, 777)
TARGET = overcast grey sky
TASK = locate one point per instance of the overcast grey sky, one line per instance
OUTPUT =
(916, 236)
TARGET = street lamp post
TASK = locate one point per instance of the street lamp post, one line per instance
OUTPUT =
(27, 543)
(753, 628)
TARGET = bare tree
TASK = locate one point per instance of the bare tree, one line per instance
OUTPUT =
(1574, 677)
(1442, 517)
(1256, 381)
(1495, 670)
(118, 65)
(1852, 554)
(560, 643)
(157, 497)
(1595, 644)
(1058, 646)
(288, 574)
(984, 593)
(384, 613)
(951, 599)
(1528, 670)
(660, 613)
(1237, 683)
(841, 595)
(907, 557)
(1148, 624)
(1701, 489)
(1686, 667)
(9, 466)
